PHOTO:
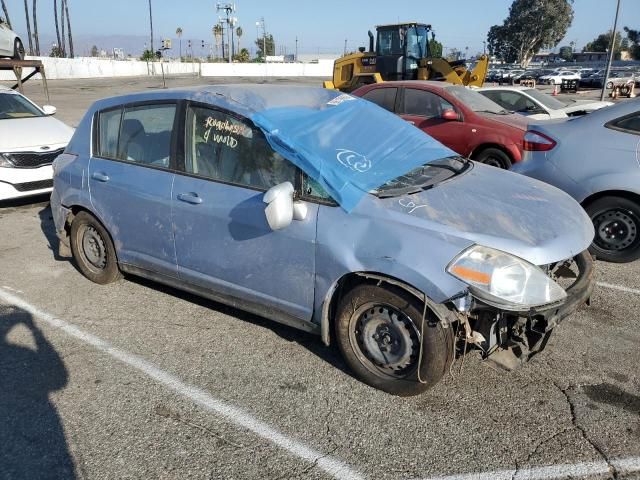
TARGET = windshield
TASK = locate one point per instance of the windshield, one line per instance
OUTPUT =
(391, 41)
(475, 101)
(15, 106)
(423, 177)
(545, 99)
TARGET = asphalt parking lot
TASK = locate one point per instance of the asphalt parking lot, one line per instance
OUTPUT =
(135, 380)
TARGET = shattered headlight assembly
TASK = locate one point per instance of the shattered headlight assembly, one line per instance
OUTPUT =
(504, 280)
(5, 160)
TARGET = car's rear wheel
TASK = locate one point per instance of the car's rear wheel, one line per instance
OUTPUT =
(18, 50)
(493, 157)
(380, 331)
(93, 249)
(616, 221)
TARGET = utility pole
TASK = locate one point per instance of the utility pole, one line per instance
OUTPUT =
(151, 25)
(296, 48)
(612, 45)
(228, 8)
(345, 46)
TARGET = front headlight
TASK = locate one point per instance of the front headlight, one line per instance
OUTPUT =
(5, 160)
(504, 280)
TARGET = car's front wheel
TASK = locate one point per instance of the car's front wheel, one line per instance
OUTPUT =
(18, 50)
(494, 157)
(616, 221)
(380, 333)
(93, 249)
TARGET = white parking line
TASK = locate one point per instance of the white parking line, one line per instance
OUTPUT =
(235, 415)
(554, 472)
(618, 287)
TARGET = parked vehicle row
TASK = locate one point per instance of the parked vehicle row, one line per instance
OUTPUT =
(237, 194)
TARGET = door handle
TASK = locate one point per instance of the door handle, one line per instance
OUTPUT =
(101, 177)
(191, 197)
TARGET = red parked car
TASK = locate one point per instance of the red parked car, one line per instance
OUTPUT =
(458, 117)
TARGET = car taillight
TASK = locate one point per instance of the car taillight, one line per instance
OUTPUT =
(538, 142)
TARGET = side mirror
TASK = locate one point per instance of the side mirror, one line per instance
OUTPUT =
(450, 115)
(49, 109)
(279, 200)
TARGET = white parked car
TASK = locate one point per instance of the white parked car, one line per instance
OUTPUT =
(30, 140)
(10, 44)
(556, 78)
(537, 105)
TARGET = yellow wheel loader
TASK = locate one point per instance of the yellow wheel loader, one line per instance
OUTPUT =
(402, 53)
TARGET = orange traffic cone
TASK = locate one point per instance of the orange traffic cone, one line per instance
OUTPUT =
(555, 91)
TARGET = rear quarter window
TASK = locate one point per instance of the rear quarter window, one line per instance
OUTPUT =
(627, 124)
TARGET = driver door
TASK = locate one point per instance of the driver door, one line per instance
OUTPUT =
(223, 242)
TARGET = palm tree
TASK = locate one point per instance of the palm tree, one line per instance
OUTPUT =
(55, 17)
(35, 27)
(179, 35)
(217, 33)
(151, 25)
(238, 34)
(26, 14)
(66, 9)
(6, 13)
(63, 48)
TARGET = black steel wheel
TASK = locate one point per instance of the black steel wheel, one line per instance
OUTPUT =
(616, 221)
(18, 50)
(379, 332)
(493, 157)
(93, 249)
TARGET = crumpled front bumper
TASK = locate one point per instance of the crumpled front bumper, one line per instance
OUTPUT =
(515, 337)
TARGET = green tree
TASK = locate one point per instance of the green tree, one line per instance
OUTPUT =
(435, 47)
(94, 51)
(148, 56)
(243, 56)
(179, 35)
(268, 42)
(634, 42)
(217, 35)
(566, 53)
(602, 42)
(238, 35)
(56, 51)
(531, 25)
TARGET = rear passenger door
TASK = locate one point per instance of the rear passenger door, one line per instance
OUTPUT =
(223, 241)
(130, 180)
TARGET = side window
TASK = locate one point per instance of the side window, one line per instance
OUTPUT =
(139, 134)
(383, 97)
(145, 134)
(424, 104)
(630, 124)
(221, 147)
(109, 130)
(313, 189)
(513, 101)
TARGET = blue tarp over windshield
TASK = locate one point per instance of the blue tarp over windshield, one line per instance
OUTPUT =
(348, 145)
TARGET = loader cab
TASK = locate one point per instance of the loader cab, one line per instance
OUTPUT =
(399, 49)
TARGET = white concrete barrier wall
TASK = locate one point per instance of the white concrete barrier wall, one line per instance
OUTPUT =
(67, 68)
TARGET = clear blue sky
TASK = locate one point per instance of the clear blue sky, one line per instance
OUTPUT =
(319, 25)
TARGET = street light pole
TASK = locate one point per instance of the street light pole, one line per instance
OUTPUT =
(612, 45)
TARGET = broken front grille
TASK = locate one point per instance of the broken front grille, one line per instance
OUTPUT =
(34, 159)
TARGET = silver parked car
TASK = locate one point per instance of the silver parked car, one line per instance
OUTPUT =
(596, 159)
(329, 214)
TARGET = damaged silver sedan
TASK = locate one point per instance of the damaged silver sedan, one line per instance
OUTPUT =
(329, 214)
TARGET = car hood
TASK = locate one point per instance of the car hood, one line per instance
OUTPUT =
(584, 105)
(27, 133)
(501, 210)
